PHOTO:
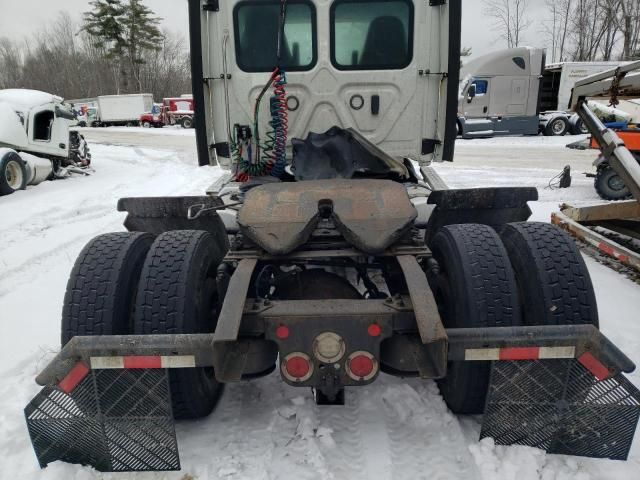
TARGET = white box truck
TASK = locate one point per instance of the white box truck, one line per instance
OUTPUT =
(514, 92)
(119, 110)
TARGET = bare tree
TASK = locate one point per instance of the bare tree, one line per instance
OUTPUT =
(556, 28)
(629, 23)
(510, 17)
(59, 60)
(10, 64)
(611, 28)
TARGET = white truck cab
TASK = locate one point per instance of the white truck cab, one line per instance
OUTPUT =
(383, 68)
(35, 138)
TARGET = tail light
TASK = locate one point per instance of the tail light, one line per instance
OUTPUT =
(297, 367)
(362, 366)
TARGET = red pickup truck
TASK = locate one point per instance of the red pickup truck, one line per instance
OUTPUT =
(173, 111)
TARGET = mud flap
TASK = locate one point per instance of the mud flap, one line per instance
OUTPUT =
(113, 420)
(561, 407)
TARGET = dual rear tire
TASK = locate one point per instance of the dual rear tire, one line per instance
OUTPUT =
(126, 283)
(528, 274)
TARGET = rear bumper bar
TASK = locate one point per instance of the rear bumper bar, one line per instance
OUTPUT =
(106, 401)
(473, 344)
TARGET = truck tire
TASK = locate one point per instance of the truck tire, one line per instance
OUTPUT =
(553, 281)
(102, 286)
(13, 173)
(146, 124)
(476, 287)
(177, 294)
(577, 126)
(609, 185)
(186, 122)
(557, 127)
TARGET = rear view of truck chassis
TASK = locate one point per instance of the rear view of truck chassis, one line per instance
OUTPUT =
(505, 322)
(365, 269)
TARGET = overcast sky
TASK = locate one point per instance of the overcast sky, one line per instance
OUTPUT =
(22, 17)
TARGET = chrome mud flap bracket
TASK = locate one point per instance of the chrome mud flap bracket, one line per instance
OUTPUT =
(562, 406)
(115, 420)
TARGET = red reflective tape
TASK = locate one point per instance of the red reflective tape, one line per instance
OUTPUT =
(135, 363)
(606, 249)
(592, 364)
(74, 377)
(520, 353)
(612, 252)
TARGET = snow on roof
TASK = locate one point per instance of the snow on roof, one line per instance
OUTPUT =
(25, 99)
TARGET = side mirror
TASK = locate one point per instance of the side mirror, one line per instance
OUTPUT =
(472, 93)
(61, 113)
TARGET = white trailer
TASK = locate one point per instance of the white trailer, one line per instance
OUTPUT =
(123, 109)
(514, 92)
(36, 143)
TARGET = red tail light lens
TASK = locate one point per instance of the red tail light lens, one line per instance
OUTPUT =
(297, 367)
(362, 366)
(282, 332)
(374, 330)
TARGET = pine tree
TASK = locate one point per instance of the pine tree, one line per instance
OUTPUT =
(124, 30)
(104, 24)
(143, 35)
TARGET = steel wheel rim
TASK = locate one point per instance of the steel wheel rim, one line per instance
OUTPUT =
(13, 175)
(616, 183)
(558, 126)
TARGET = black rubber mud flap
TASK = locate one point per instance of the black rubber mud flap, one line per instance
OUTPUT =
(487, 206)
(113, 420)
(561, 407)
(162, 214)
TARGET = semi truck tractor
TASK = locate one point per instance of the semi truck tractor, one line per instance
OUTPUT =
(330, 254)
(36, 142)
(122, 110)
(514, 92)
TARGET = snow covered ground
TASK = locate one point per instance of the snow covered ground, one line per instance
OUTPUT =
(393, 429)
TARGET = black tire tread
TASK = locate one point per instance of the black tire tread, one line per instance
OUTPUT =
(162, 304)
(488, 279)
(102, 285)
(555, 285)
(603, 189)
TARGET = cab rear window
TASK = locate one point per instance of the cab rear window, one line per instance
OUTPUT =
(371, 35)
(256, 35)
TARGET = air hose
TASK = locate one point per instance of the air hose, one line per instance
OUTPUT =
(269, 157)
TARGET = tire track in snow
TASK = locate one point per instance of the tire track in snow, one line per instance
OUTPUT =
(217, 432)
(340, 428)
(418, 423)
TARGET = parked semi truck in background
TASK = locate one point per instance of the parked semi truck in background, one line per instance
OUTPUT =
(172, 111)
(36, 143)
(514, 92)
(122, 110)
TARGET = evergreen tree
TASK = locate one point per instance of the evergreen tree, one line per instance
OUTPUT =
(124, 30)
(143, 34)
